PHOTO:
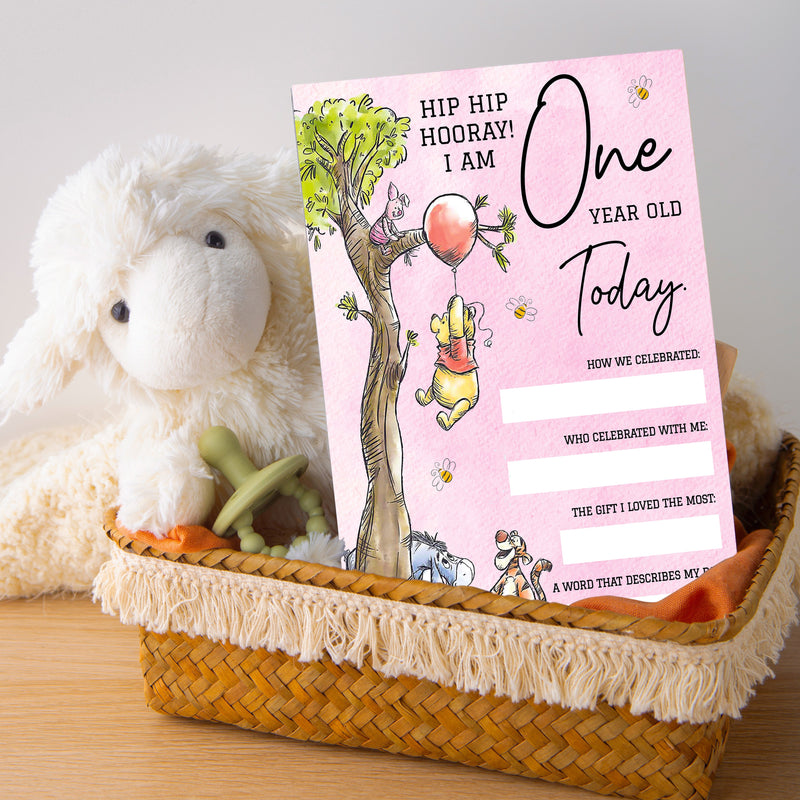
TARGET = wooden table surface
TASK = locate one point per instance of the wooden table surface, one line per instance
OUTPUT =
(73, 724)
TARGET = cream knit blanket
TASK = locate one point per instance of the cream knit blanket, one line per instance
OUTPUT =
(467, 650)
(55, 487)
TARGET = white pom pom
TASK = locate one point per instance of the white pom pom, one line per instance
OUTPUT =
(317, 548)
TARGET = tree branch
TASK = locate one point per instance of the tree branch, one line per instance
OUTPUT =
(335, 218)
(340, 146)
(325, 144)
(343, 167)
(404, 361)
(363, 166)
(352, 209)
(326, 165)
(485, 241)
(329, 168)
(407, 241)
(352, 311)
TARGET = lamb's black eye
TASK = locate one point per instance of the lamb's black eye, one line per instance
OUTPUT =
(216, 240)
(120, 311)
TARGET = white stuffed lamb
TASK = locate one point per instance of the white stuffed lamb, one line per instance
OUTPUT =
(180, 279)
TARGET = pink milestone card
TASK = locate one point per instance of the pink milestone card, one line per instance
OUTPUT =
(515, 329)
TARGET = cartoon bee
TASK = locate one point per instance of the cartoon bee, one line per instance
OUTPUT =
(639, 90)
(522, 308)
(442, 473)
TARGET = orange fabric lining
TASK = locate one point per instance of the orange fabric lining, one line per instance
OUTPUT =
(183, 539)
(711, 596)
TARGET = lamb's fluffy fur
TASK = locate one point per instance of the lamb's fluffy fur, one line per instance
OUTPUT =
(104, 228)
(751, 427)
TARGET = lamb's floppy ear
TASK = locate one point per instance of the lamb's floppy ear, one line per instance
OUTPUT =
(41, 359)
(272, 189)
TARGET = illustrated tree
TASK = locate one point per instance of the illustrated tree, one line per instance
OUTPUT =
(345, 145)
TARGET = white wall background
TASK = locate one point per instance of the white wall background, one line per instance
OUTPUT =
(78, 76)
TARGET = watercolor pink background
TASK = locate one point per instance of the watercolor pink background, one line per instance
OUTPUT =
(468, 511)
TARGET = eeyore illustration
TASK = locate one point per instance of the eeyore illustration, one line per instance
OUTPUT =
(430, 561)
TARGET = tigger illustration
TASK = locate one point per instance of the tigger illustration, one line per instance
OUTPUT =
(512, 554)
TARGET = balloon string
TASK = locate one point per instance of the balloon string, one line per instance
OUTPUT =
(455, 280)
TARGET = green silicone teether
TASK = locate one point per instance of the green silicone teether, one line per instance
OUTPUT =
(255, 489)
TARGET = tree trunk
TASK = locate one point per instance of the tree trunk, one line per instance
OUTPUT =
(383, 534)
(383, 537)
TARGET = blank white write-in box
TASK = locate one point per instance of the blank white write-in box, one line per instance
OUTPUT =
(610, 468)
(641, 539)
(603, 396)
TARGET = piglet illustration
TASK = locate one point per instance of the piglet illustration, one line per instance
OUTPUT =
(384, 229)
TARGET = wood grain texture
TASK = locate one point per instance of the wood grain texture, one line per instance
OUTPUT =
(73, 724)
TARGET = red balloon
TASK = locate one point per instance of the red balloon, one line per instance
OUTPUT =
(451, 227)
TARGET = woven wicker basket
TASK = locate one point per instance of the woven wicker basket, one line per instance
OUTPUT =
(605, 748)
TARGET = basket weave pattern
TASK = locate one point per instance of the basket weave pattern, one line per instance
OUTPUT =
(606, 749)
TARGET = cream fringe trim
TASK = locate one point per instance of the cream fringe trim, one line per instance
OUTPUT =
(467, 650)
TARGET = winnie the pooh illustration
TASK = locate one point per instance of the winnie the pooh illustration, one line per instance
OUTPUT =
(455, 379)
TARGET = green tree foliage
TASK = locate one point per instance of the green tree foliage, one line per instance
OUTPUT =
(345, 143)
